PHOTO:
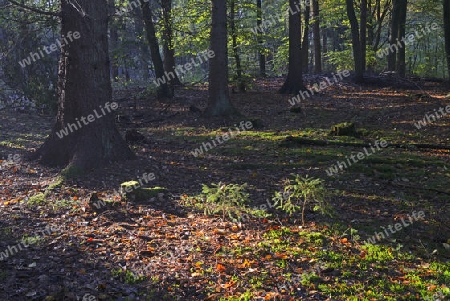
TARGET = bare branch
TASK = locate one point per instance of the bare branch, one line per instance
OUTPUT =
(33, 9)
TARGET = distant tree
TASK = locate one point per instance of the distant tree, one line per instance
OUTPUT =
(262, 57)
(316, 37)
(396, 57)
(164, 91)
(168, 47)
(294, 80)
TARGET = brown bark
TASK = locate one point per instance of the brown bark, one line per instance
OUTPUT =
(84, 89)
(294, 81)
(219, 98)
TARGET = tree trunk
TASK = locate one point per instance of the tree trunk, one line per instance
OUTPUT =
(305, 40)
(316, 34)
(393, 36)
(294, 81)
(356, 42)
(168, 48)
(401, 60)
(262, 57)
(447, 32)
(363, 32)
(144, 52)
(84, 89)
(164, 91)
(237, 58)
(219, 98)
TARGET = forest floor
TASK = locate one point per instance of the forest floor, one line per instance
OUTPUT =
(166, 248)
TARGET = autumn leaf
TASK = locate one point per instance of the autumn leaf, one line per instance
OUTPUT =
(220, 267)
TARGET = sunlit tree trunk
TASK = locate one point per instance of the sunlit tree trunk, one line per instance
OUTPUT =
(219, 98)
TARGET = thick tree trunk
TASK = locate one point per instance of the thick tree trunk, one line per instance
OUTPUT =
(446, 9)
(294, 81)
(316, 37)
(240, 81)
(356, 42)
(262, 57)
(305, 40)
(164, 91)
(219, 98)
(84, 88)
(168, 48)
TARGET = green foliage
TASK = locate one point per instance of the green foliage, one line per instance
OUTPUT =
(300, 192)
(341, 60)
(37, 200)
(127, 276)
(228, 199)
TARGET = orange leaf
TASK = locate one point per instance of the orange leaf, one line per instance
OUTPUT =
(75, 198)
(220, 267)
(344, 240)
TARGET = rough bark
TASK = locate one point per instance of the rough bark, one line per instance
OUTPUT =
(262, 57)
(164, 91)
(446, 9)
(84, 89)
(316, 37)
(356, 42)
(219, 99)
(168, 47)
(294, 81)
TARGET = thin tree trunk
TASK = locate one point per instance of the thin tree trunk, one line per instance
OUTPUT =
(262, 57)
(168, 48)
(316, 34)
(356, 42)
(305, 40)
(401, 55)
(363, 32)
(446, 9)
(237, 58)
(219, 98)
(164, 91)
(84, 135)
(294, 81)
